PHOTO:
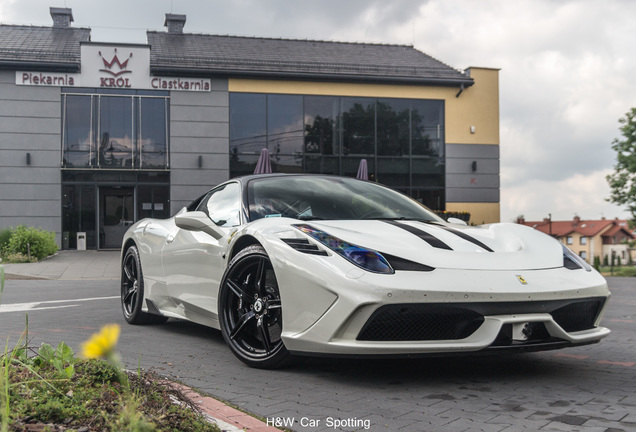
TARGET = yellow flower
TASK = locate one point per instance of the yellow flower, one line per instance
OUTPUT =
(102, 344)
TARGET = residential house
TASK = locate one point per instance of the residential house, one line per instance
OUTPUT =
(592, 238)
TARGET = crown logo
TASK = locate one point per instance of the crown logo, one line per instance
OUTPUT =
(115, 67)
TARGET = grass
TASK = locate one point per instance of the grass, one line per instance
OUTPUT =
(94, 399)
(623, 271)
(50, 389)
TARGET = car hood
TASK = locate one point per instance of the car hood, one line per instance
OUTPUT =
(501, 246)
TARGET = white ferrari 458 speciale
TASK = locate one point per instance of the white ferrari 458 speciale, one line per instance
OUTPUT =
(289, 265)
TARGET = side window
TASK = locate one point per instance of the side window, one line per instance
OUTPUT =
(223, 205)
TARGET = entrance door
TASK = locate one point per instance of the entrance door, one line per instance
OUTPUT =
(117, 213)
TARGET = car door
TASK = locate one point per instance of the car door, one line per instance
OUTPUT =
(194, 262)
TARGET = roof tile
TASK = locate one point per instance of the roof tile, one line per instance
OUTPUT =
(46, 45)
(236, 54)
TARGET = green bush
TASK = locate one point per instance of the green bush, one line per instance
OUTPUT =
(5, 236)
(41, 242)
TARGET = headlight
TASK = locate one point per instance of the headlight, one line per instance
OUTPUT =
(364, 258)
(572, 261)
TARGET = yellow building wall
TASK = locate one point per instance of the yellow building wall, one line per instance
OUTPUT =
(480, 213)
(478, 106)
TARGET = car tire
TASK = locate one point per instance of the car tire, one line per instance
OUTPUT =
(250, 310)
(132, 290)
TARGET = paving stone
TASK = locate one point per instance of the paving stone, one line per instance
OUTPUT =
(507, 393)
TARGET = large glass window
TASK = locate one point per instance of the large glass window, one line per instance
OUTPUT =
(402, 140)
(78, 145)
(358, 126)
(321, 120)
(285, 124)
(115, 132)
(153, 137)
(248, 123)
(106, 131)
(393, 127)
(427, 128)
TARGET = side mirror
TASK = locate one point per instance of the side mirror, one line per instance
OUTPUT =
(198, 221)
(456, 221)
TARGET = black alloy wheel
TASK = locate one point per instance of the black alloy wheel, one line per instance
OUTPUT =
(132, 290)
(250, 310)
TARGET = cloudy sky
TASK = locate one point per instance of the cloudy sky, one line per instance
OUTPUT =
(568, 70)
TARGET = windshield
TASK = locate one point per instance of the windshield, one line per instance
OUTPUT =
(329, 198)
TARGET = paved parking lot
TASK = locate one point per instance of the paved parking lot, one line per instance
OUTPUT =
(589, 388)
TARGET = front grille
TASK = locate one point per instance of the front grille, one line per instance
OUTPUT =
(577, 316)
(442, 321)
(420, 322)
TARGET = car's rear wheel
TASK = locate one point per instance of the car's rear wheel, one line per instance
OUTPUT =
(250, 310)
(132, 290)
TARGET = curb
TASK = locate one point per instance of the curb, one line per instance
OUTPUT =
(228, 419)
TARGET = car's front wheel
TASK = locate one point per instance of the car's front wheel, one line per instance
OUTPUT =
(132, 290)
(250, 310)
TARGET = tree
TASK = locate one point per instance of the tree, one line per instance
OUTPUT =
(623, 181)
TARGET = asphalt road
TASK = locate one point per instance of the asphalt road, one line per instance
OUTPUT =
(591, 388)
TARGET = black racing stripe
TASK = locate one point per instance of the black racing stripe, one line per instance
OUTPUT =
(465, 237)
(428, 238)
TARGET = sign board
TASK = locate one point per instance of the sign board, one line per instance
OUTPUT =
(114, 67)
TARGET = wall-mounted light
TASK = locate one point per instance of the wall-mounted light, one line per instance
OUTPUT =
(472, 129)
(28, 159)
(474, 166)
(200, 161)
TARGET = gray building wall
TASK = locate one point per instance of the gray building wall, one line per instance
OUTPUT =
(199, 126)
(465, 185)
(30, 123)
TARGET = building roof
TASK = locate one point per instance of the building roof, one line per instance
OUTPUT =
(41, 48)
(174, 53)
(198, 54)
(618, 227)
(585, 228)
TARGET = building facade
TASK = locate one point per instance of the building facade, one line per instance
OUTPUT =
(94, 136)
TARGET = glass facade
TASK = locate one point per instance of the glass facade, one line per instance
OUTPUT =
(114, 131)
(401, 139)
(114, 163)
(104, 206)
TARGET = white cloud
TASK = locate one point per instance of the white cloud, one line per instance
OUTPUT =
(566, 75)
(580, 194)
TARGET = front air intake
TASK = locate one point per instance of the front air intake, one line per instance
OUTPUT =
(420, 322)
(577, 316)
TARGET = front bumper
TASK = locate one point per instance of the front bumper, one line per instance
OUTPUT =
(330, 312)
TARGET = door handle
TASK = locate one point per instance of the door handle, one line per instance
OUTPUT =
(169, 238)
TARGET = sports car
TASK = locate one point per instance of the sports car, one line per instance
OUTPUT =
(289, 265)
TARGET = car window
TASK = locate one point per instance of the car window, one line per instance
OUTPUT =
(330, 198)
(223, 205)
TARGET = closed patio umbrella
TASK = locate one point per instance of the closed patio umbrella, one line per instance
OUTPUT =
(263, 166)
(363, 172)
